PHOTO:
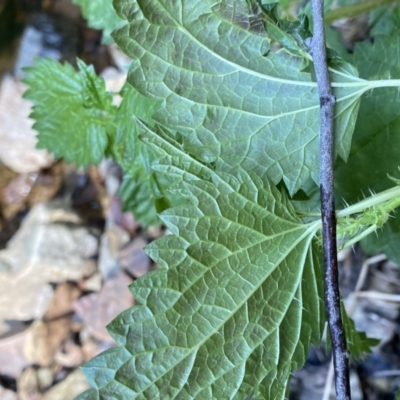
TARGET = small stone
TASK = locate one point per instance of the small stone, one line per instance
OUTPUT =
(70, 355)
(69, 388)
(89, 267)
(45, 337)
(112, 240)
(98, 309)
(45, 377)
(62, 302)
(124, 220)
(50, 246)
(12, 358)
(134, 259)
(6, 394)
(92, 284)
(28, 385)
(121, 59)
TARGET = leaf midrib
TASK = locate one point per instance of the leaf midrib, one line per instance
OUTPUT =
(310, 231)
(359, 82)
(298, 287)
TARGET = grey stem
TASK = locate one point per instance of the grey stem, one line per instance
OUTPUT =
(332, 293)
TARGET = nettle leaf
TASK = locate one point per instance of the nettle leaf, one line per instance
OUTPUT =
(75, 119)
(235, 101)
(100, 14)
(376, 138)
(73, 111)
(236, 304)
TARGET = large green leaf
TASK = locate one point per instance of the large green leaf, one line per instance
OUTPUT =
(73, 111)
(236, 303)
(236, 102)
(375, 148)
(100, 14)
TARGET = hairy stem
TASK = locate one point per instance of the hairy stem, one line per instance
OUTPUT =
(391, 196)
(332, 294)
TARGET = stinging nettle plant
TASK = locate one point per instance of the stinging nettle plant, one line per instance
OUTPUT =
(218, 137)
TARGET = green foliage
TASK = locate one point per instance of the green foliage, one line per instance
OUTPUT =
(358, 343)
(100, 14)
(207, 63)
(212, 119)
(232, 312)
(83, 126)
(81, 110)
(375, 138)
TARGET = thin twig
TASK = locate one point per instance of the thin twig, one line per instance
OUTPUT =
(332, 294)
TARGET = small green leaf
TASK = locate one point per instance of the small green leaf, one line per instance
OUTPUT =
(73, 111)
(101, 15)
(358, 344)
(236, 303)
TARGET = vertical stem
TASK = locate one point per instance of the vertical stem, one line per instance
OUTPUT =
(332, 294)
